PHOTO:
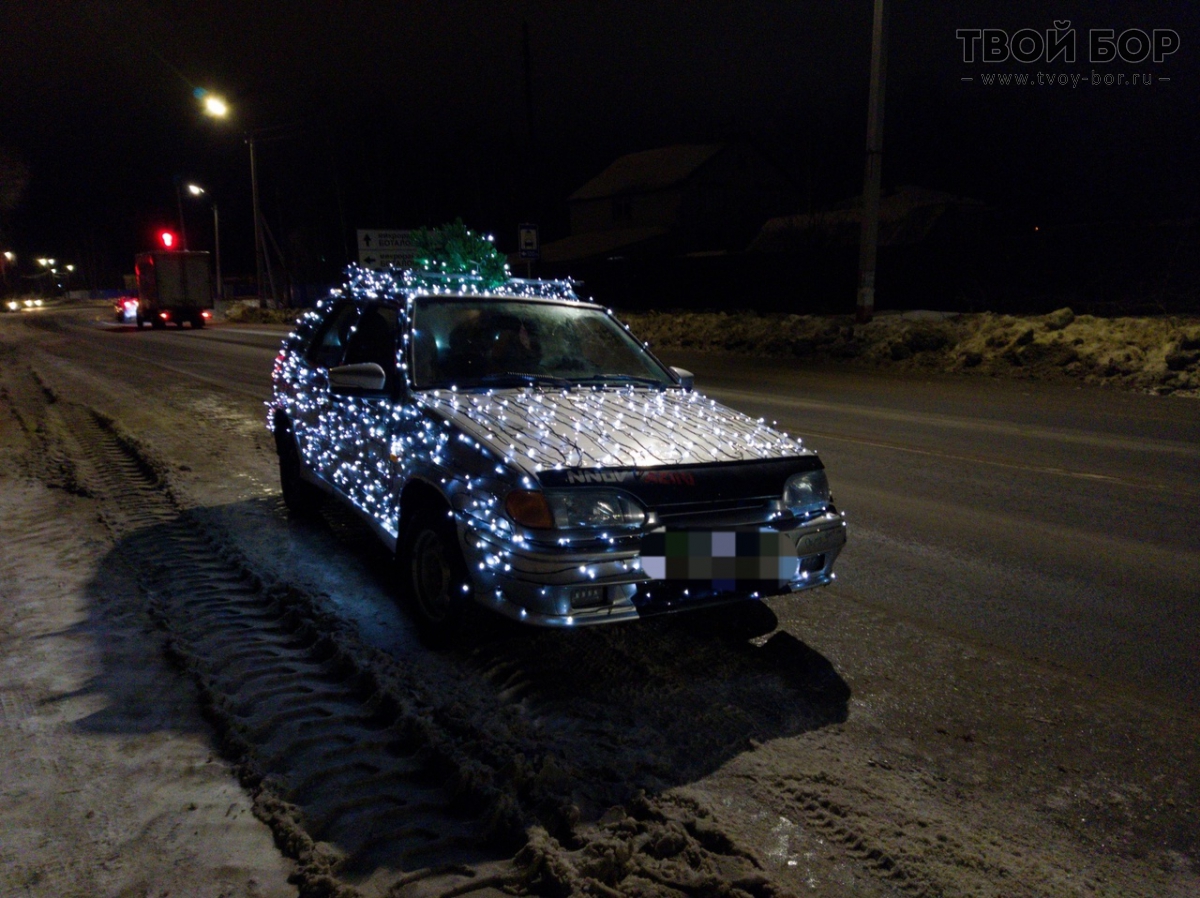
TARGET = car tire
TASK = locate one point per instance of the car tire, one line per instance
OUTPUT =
(157, 323)
(433, 575)
(141, 322)
(198, 322)
(301, 497)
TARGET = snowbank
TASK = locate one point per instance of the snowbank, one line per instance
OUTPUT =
(1160, 355)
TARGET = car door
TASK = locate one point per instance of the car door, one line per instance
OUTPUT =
(363, 447)
(316, 425)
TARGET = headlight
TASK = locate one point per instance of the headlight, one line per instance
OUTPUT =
(594, 508)
(806, 493)
(574, 509)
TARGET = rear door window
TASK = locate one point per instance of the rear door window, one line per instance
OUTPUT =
(329, 344)
(373, 339)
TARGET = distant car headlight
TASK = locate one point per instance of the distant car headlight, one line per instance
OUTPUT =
(806, 493)
(14, 306)
(574, 509)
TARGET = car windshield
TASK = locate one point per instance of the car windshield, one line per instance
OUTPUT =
(470, 343)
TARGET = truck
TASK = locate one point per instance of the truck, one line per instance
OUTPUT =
(173, 286)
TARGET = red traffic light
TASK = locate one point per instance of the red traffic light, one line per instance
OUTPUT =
(167, 239)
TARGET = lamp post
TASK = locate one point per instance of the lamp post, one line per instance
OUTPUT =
(216, 107)
(197, 191)
(258, 235)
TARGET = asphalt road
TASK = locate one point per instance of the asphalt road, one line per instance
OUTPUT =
(1055, 521)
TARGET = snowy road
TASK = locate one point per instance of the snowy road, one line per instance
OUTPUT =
(1059, 522)
(975, 708)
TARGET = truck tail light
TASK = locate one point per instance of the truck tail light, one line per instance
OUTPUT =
(206, 314)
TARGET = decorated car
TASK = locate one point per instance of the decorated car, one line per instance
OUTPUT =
(515, 447)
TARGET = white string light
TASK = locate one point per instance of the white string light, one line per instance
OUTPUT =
(486, 443)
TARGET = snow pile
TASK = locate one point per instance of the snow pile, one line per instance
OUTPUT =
(1160, 355)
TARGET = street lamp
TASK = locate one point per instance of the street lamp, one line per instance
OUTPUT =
(216, 107)
(50, 272)
(198, 191)
(211, 103)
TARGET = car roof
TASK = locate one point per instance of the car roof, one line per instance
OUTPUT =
(404, 285)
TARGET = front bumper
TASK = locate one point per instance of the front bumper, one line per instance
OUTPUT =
(606, 581)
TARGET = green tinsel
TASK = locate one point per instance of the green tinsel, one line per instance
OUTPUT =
(453, 249)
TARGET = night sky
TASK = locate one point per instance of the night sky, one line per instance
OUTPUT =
(401, 114)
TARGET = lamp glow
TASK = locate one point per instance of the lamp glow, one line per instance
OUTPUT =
(215, 106)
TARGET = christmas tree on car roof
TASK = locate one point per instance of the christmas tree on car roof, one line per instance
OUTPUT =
(454, 249)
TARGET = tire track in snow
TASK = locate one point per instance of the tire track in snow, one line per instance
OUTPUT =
(357, 787)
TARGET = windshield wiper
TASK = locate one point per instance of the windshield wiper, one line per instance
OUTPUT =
(517, 377)
(619, 379)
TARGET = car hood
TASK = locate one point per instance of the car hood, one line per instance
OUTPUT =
(540, 429)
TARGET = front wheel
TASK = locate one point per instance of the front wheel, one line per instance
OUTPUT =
(301, 497)
(432, 568)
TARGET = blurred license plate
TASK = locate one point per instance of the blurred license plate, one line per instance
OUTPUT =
(726, 559)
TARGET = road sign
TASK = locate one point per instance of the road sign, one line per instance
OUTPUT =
(379, 249)
(527, 241)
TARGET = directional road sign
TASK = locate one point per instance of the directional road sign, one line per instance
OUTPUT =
(379, 249)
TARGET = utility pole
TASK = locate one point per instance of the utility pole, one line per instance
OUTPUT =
(528, 71)
(217, 249)
(258, 238)
(868, 246)
(179, 200)
(532, 193)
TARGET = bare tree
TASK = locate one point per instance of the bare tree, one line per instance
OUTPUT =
(14, 177)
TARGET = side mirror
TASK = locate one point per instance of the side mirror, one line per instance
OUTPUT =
(365, 377)
(687, 379)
